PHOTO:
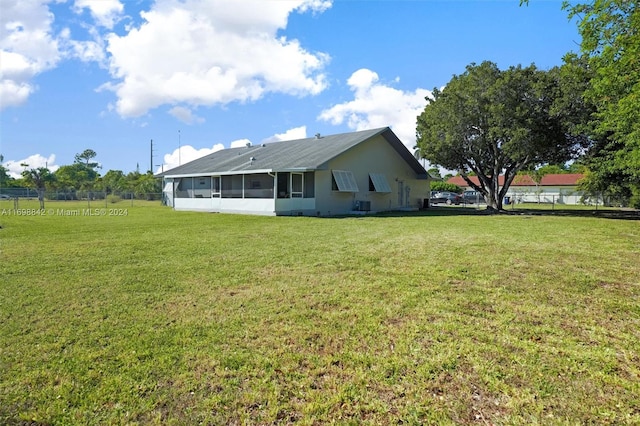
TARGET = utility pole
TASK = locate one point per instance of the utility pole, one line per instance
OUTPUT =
(151, 155)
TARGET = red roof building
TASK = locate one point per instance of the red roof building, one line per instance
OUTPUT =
(568, 179)
(553, 188)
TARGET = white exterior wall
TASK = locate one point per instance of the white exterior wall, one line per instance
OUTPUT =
(296, 206)
(568, 195)
(546, 194)
(373, 156)
(257, 206)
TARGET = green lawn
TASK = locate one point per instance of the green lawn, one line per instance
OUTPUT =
(440, 317)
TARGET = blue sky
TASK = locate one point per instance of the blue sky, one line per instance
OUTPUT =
(112, 75)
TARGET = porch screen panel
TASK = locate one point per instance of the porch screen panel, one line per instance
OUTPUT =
(259, 185)
(215, 187)
(232, 186)
(184, 188)
(297, 181)
(309, 185)
(345, 181)
(283, 185)
(380, 182)
(202, 187)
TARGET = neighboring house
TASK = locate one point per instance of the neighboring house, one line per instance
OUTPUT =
(369, 170)
(553, 188)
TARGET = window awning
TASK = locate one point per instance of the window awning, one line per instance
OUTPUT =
(345, 181)
(380, 182)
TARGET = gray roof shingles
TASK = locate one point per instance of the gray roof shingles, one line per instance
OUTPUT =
(301, 154)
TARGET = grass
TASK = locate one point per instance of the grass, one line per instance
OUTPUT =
(442, 317)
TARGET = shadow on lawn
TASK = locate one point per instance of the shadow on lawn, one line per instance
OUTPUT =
(621, 214)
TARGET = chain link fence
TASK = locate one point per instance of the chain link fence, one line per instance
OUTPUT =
(91, 197)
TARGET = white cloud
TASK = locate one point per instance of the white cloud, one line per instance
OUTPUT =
(185, 115)
(316, 6)
(105, 12)
(211, 52)
(188, 153)
(27, 48)
(289, 135)
(86, 50)
(14, 93)
(240, 143)
(34, 161)
(378, 105)
(184, 154)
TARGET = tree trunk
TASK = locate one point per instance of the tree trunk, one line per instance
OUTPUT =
(41, 198)
(494, 202)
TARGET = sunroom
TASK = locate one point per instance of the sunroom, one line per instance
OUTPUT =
(266, 193)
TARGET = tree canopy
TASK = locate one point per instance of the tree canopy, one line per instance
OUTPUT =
(610, 31)
(85, 158)
(75, 176)
(38, 179)
(81, 174)
(5, 178)
(491, 122)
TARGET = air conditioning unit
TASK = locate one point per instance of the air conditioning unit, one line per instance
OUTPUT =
(363, 206)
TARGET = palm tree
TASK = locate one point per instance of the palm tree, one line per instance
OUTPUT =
(38, 179)
(417, 153)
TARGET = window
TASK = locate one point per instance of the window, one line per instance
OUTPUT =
(378, 183)
(343, 181)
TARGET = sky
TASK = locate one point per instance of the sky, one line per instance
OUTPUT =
(195, 76)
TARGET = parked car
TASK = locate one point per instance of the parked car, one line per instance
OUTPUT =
(4, 197)
(471, 197)
(445, 197)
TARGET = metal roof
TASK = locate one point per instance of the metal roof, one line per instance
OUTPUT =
(296, 155)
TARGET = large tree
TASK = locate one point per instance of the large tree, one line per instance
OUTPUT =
(75, 176)
(610, 31)
(5, 179)
(113, 181)
(85, 158)
(490, 122)
(81, 175)
(143, 185)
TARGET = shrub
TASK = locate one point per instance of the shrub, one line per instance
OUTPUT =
(113, 199)
(444, 186)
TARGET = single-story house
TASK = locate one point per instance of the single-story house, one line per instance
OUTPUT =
(364, 171)
(553, 188)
